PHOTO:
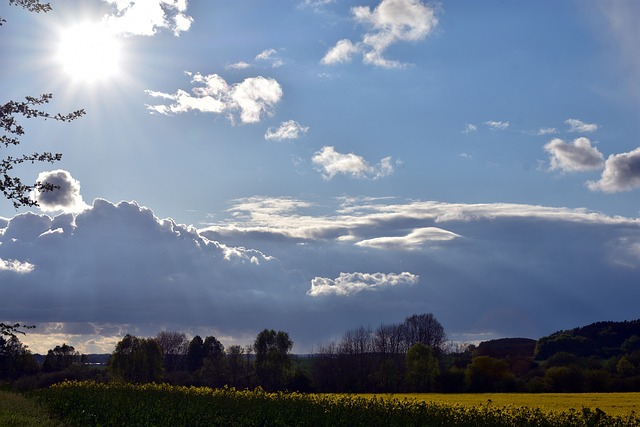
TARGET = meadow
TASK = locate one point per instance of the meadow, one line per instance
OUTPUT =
(90, 403)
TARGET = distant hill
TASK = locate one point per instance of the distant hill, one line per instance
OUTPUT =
(504, 348)
(601, 339)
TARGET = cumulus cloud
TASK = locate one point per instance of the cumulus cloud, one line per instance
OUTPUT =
(287, 130)
(16, 266)
(145, 18)
(621, 173)
(578, 156)
(65, 197)
(497, 125)
(342, 52)
(352, 283)
(252, 99)
(271, 56)
(390, 22)
(331, 163)
(576, 125)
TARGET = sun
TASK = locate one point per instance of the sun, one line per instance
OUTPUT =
(89, 52)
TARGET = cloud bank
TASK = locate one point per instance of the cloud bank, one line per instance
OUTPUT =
(390, 22)
(315, 268)
(252, 98)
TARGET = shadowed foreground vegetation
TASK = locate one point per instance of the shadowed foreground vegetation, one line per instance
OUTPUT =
(17, 410)
(89, 403)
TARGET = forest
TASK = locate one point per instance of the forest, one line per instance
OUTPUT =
(409, 356)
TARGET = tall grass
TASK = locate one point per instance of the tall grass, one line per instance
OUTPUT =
(17, 410)
(89, 403)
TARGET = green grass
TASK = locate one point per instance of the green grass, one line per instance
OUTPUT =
(617, 404)
(17, 410)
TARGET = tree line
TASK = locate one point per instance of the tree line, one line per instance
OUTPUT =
(410, 356)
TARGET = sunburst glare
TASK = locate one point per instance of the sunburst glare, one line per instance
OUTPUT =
(89, 52)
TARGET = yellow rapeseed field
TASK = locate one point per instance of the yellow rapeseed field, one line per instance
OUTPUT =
(619, 404)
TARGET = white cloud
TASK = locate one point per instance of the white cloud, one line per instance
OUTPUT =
(547, 131)
(16, 266)
(145, 17)
(332, 163)
(390, 22)
(578, 156)
(353, 283)
(342, 52)
(469, 127)
(66, 197)
(497, 125)
(270, 55)
(576, 125)
(415, 240)
(621, 173)
(253, 98)
(316, 4)
(238, 66)
(287, 130)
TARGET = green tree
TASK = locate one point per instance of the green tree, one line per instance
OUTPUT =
(272, 361)
(137, 360)
(60, 358)
(421, 368)
(15, 359)
(213, 370)
(486, 374)
(195, 354)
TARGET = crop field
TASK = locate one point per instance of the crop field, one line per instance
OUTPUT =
(620, 404)
(89, 403)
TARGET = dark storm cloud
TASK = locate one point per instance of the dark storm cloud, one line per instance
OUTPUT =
(317, 270)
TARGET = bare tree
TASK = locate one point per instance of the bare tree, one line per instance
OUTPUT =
(424, 329)
(174, 348)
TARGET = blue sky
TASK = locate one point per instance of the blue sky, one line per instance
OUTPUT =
(314, 166)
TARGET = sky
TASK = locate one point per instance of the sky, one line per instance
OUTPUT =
(314, 166)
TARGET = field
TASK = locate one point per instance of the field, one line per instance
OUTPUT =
(16, 410)
(620, 404)
(88, 403)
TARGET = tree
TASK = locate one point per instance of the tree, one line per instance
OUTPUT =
(272, 358)
(213, 370)
(11, 186)
(174, 348)
(137, 360)
(421, 368)
(195, 354)
(425, 329)
(60, 358)
(11, 330)
(486, 374)
(15, 359)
